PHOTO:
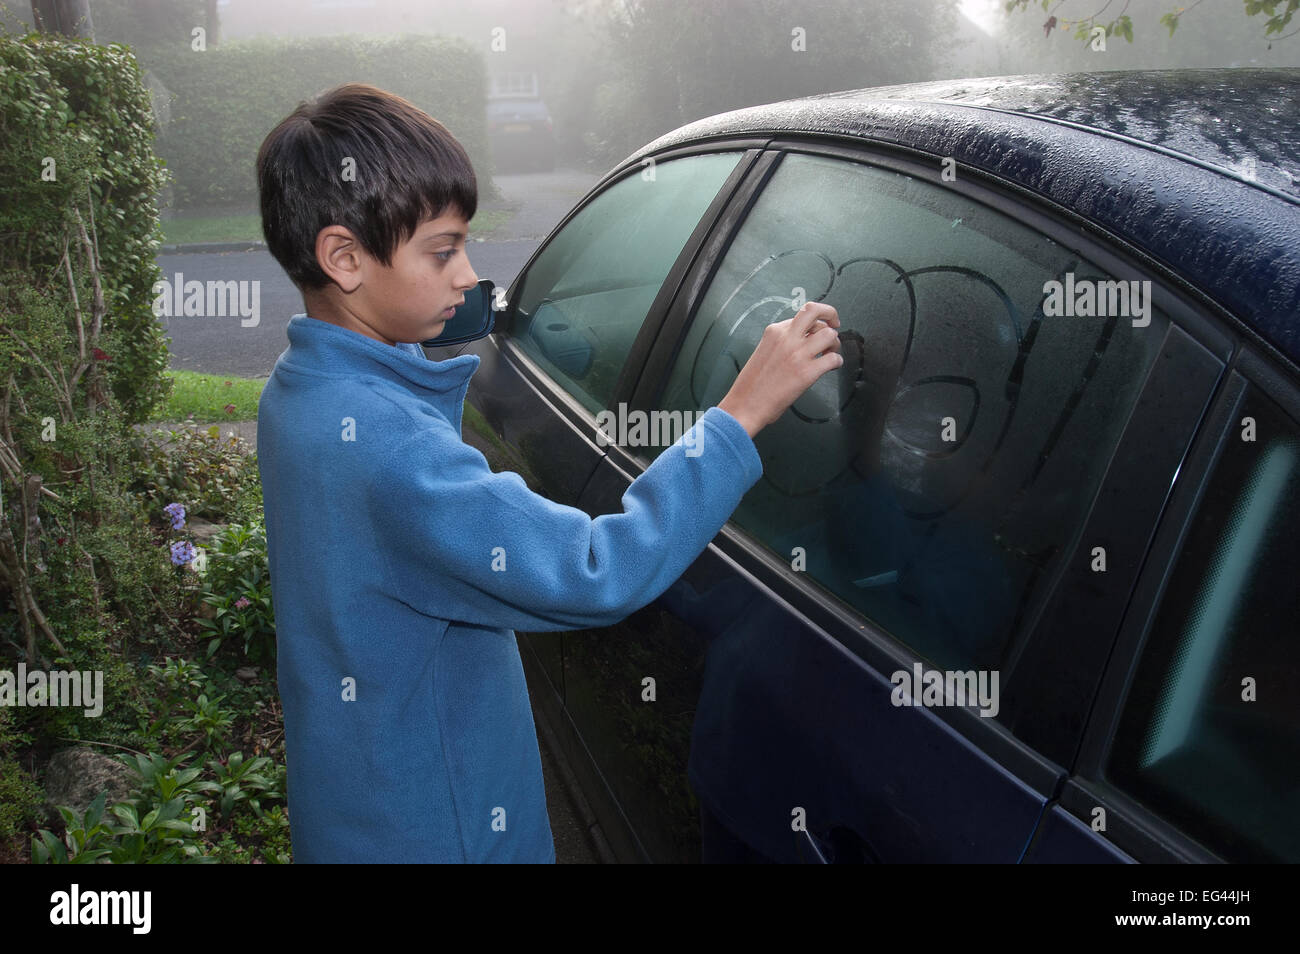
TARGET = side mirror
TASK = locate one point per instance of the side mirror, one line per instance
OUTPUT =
(470, 321)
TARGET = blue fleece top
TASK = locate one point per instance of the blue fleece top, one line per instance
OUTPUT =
(400, 564)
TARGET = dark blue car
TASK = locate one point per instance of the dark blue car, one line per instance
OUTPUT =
(1019, 582)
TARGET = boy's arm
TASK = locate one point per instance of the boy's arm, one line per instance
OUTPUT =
(463, 543)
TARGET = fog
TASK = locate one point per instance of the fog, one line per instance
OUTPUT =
(614, 74)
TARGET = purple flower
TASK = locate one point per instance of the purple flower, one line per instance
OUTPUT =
(177, 513)
(242, 602)
(183, 552)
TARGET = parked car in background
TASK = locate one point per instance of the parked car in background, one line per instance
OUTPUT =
(1018, 581)
(520, 133)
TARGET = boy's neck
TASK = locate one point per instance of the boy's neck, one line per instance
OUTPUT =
(324, 306)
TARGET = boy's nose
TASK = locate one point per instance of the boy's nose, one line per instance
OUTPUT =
(470, 279)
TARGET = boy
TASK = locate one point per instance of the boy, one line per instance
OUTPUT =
(408, 731)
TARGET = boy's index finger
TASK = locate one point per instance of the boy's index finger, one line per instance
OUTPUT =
(814, 311)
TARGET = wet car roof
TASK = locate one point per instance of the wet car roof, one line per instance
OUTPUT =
(1161, 158)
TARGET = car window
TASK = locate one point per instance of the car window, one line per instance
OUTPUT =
(1210, 734)
(935, 482)
(582, 302)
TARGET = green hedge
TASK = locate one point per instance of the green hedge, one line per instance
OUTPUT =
(85, 108)
(227, 98)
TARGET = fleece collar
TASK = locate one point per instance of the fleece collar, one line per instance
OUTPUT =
(329, 349)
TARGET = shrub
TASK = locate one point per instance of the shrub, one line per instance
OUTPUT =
(237, 584)
(227, 98)
(79, 178)
(20, 797)
(210, 475)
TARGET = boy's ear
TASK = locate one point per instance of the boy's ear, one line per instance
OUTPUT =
(339, 255)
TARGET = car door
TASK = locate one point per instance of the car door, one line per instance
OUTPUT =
(929, 513)
(1193, 752)
(573, 331)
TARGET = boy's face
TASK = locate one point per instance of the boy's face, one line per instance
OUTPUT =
(412, 299)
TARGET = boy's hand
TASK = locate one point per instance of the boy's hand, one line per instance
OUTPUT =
(791, 355)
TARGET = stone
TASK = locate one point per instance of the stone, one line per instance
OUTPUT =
(200, 532)
(75, 776)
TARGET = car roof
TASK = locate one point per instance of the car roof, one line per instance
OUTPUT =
(1198, 168)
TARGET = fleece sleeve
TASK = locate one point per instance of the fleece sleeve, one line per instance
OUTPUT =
(463, 543)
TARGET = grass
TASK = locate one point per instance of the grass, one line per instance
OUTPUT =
(487, 221)
(206, 396)
(248, 228)
(213, 228)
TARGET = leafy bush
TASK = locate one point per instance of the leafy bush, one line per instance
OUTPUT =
(156, 837)
(157, 824)
(248, 781)
(208, 719)
(77, 124)
(20, 796)
(237, 584)
(207, 473)
(267, 834)
(82, 354)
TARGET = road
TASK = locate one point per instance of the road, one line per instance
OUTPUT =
(223, 345)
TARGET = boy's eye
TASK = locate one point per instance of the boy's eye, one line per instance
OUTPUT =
(445, 256)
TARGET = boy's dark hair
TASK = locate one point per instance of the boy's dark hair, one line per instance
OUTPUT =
(407, 168)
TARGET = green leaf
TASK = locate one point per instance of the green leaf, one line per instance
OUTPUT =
(127, 814)
(170, 810)
(90, 857)
(184, 778)
(174, 825)
(96, 810)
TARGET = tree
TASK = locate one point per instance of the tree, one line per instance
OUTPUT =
(68, 17)
(147, 24)
(1122, 24)
(673, 61)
